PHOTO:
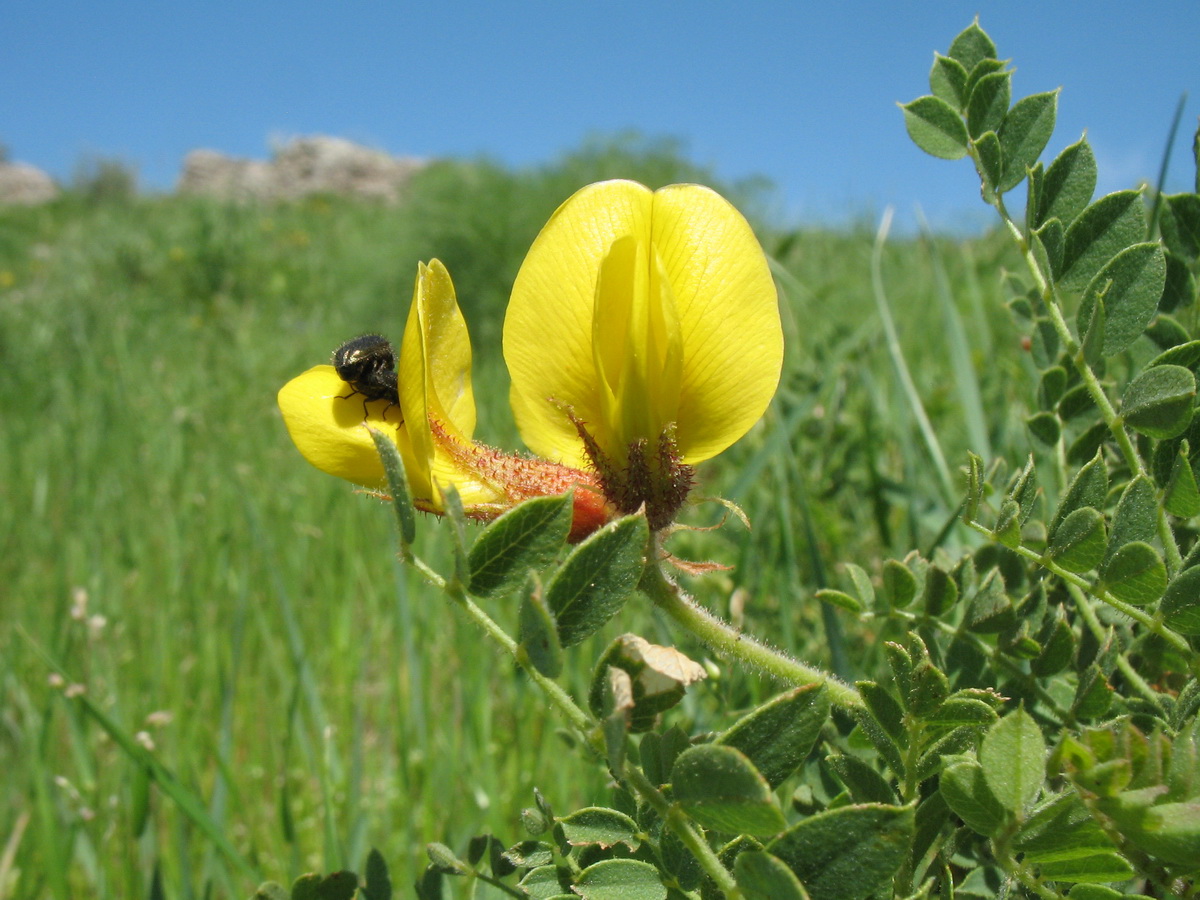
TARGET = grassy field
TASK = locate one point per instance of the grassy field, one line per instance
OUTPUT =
(243, 615)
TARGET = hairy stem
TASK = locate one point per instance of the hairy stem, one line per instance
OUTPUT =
(721, 636)
(1114, 421)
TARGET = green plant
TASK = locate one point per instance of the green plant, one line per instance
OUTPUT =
(1034, 730)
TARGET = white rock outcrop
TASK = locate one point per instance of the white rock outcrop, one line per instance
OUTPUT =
(25, 185)
(303, 166)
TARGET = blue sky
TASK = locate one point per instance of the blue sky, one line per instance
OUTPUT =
(802, 93)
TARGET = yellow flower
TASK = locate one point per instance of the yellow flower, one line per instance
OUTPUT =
(325, 415)
(642, 337)
(432, 424)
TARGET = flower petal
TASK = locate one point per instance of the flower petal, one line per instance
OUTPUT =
(699, 315)
(435, 386)
(326, 422)
(728, 313)
(548, 326)
(636, 344)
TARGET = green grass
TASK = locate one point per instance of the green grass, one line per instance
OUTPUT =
(319, 700)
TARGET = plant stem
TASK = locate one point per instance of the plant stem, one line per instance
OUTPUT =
(991, 652)
(1099, 633)
(721, 636)
(1149, 622)
(559, 698)
(1116, 425)
(686, 831)
(592, 737)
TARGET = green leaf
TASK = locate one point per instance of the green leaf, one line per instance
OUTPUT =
(1180, 287)
(1062, 828)
(1051, 238)
(598, 825)
(679, 863)
(1186, 354)
(1135, 574)
(1130, 284)
(529, 855)
(1159, 403)
(1093, 694)
(393, 469)
(862, 584)
(1095, 892)
(1045, 427)
(1180, 607)
(1168, 831)
(899, 584)
(597, 578)
(941, 591)
(1058, 647)
(901, 663)
(1088, 444)
(865, 784)
(1105, 228)
(305, 887)
(1008, 524)
(839, 598)
(871, 728)
(542, 883)
(975, 485)
(948, 80)
(1023, 489)
(1051, 386)
(966, 792)
(1077, 543)
(1183, 776)
(1075, 402)
(778, 735)
(971, 46)
(936, 127)
(1045, 342)
(884, 707)
(1181, 224)
(847, 853)
(1069, 184)
(523, 539)
(1013, 756)
(930, 689)
(990, 610)
(959, 710)
(445, 859)
(1136, 518)
(1108, 865)
(429, 884)
(721, 789)
(538, 632)
(989, 161)
(1089, 487)
(1166, 331)
(1182, 495)
(270, 890)
(988, 102)
(1033, 196)
(336, 886)
(378, 884)
(620, 879)
(1024, 133)
(762, 876)
(1092, 320)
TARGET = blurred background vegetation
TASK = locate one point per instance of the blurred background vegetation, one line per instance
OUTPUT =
(243, 614)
